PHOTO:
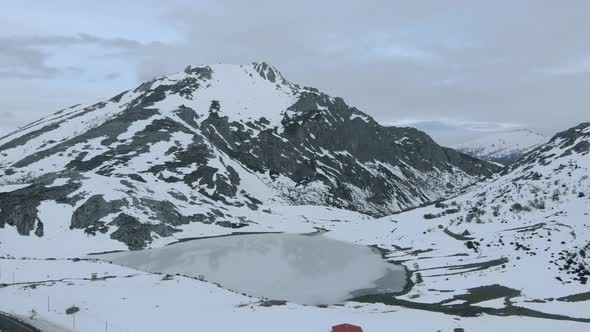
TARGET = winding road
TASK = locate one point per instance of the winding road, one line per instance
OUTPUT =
(11, 324)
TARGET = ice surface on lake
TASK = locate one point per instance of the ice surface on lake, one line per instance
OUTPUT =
(305, 269)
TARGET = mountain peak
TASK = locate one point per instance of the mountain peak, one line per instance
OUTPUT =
(264, 69)
(205, 71)
(269, 72)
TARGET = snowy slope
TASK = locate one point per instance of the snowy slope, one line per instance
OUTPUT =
(516, 243)
(503, 147)
(215, 145)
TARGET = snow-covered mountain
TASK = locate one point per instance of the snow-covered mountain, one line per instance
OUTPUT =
(220, 145)
(502, 147)
(517, 243)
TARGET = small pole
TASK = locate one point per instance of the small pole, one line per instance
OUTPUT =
(74, 321)
(106, 326)
(47, 303)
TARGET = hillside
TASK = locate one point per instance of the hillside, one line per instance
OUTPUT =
(517, 243)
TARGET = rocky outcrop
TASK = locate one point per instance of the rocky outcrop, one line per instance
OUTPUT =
(18, 208)
(135, 234)
(93, 210)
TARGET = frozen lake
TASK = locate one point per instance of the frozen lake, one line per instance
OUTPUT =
(305, 269)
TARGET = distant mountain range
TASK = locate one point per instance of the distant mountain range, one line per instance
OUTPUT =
(502, 147)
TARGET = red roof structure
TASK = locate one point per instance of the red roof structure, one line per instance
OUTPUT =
(346, 328)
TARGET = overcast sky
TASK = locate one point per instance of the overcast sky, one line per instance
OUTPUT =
(454, 68)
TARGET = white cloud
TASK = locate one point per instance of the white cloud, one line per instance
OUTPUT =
(580, 66)
(450, 123)
(449, 131)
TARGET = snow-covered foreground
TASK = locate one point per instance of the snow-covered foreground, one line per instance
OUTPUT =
(127, 300)
(305, 269)
(456, 286)
(512, 271)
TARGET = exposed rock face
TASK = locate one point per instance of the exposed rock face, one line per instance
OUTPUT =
(93, 210)
(19, 208)
(135, 234)
(349, 157)
(195, 146)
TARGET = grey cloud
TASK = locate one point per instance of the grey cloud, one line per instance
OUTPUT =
(79, 39)
(18, 62)
(449, 131)
(111, 76)
(25, 57)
